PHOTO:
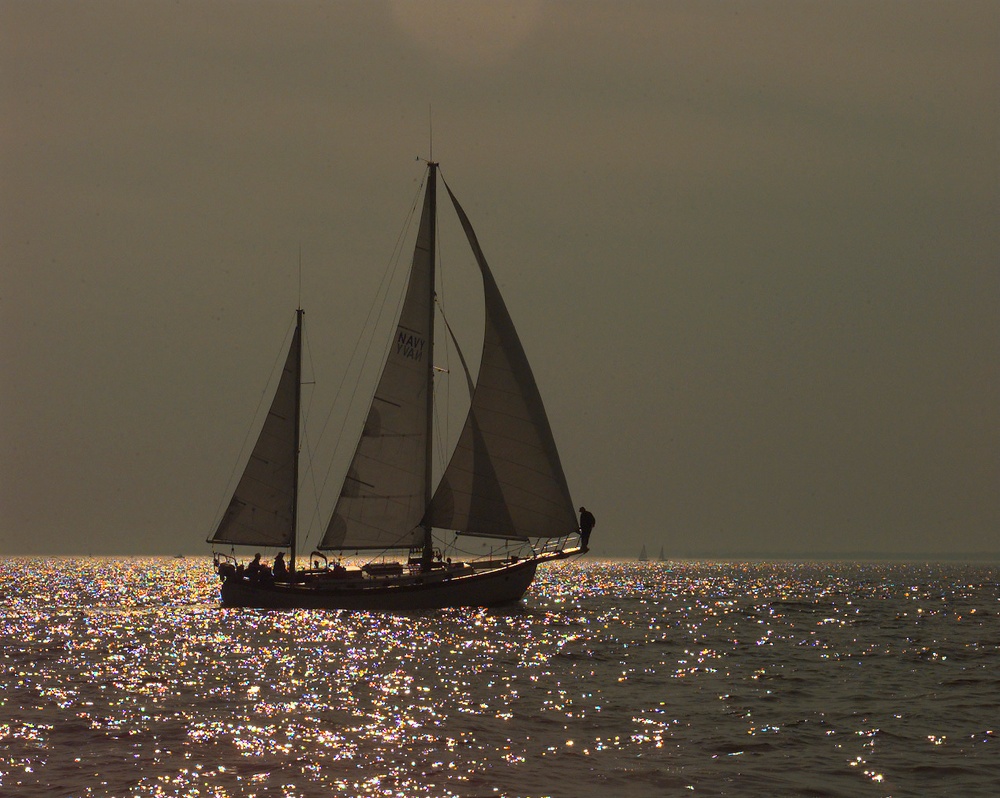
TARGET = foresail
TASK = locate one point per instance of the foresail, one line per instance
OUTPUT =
(261, 511)
(383, 497)
(504, 478)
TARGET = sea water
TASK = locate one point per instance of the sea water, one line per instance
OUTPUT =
(123, 677)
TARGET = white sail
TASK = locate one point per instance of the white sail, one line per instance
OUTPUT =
(384, 494)
(504, 478)
(262, 510)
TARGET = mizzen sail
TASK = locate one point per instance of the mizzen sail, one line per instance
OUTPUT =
(262, 510)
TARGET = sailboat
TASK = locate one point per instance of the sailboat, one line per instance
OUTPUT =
(643, 557)
(504, 479)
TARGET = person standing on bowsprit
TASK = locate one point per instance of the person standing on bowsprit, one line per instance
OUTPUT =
(587, 522)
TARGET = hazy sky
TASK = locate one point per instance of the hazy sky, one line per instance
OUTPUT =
(752, 249)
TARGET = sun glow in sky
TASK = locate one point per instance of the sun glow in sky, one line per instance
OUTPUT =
(468, 34)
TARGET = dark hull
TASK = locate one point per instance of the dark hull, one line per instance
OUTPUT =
(491, 587)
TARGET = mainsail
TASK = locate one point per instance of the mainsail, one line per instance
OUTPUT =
(384, 494)
(262, 510)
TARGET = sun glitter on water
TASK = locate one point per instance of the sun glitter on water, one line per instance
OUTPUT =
(124, 677)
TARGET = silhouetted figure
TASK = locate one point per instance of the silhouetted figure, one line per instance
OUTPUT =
(587, 522)
(254, 568)
(280, 569)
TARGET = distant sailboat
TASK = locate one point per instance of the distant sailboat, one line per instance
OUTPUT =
(504, 480)
(662, 557)
(643, 557)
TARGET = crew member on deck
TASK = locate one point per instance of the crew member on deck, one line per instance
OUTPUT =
(280, 569)
(254, 568)
(587, 522)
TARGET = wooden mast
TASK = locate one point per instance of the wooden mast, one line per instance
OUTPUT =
(298, 420)
(427, 556)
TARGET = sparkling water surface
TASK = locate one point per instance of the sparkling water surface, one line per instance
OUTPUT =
(123, 677)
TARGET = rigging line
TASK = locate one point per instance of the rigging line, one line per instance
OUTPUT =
(440, 437)
(384, 293)
(439, 299)
(443, 431)
(310, 459)
(306, 443)
(266, 393)
(384, 552)
(369, 328)
(468, 552)
(470, 384)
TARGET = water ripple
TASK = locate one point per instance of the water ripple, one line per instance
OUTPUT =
(122, 677)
